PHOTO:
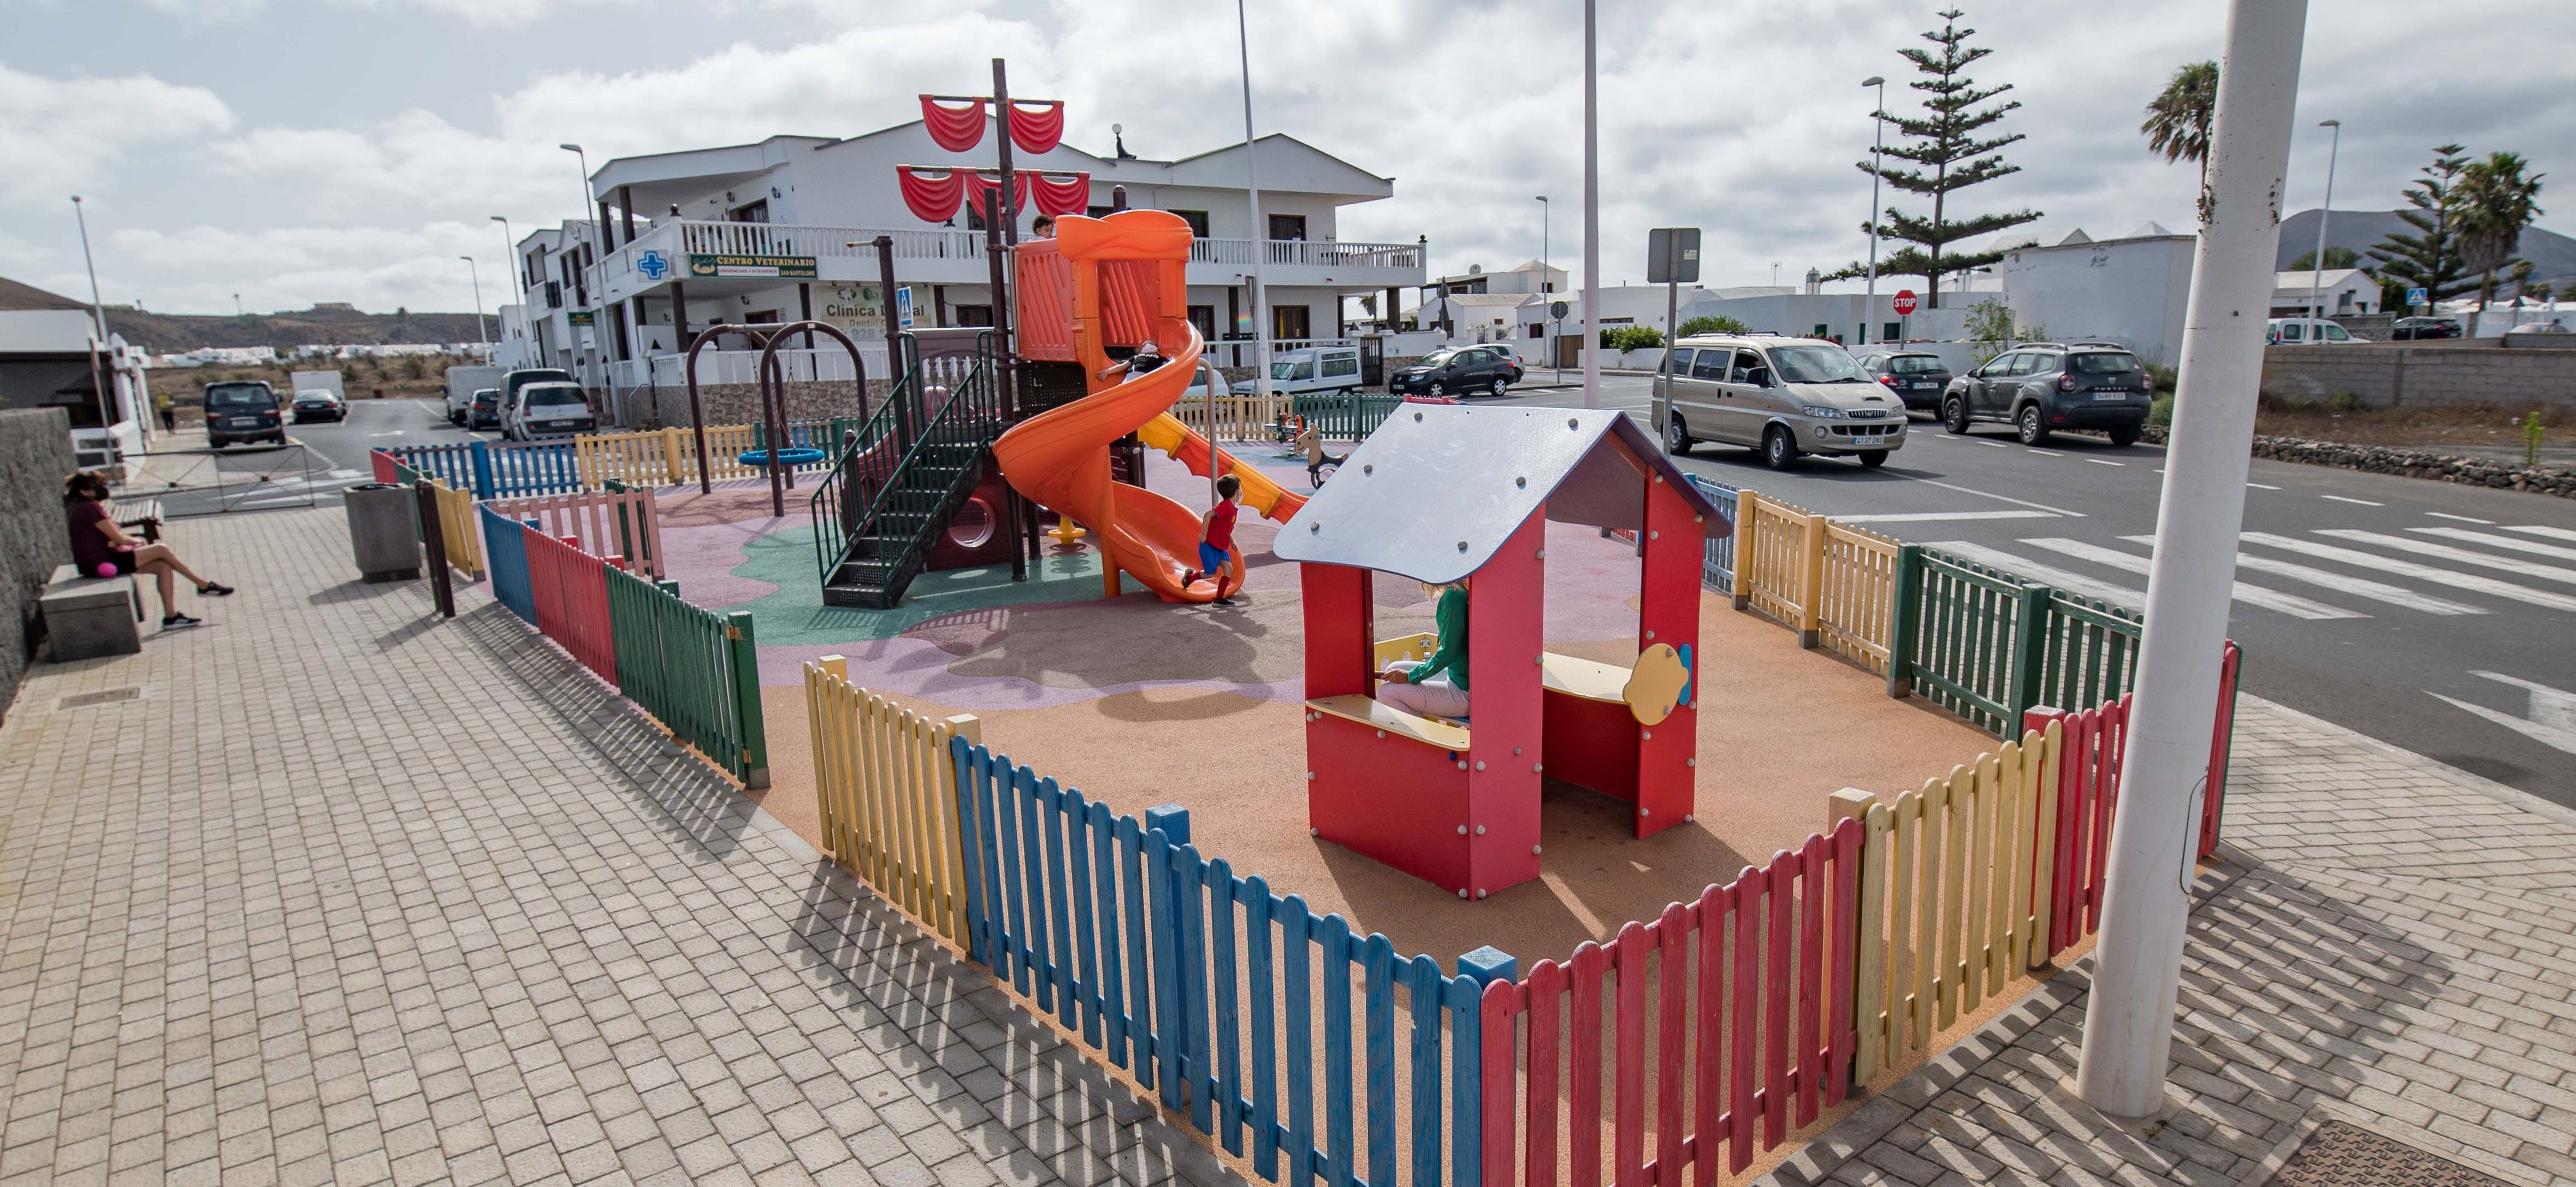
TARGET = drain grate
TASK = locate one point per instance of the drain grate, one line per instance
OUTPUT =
(98, 698)
(2339, 1154)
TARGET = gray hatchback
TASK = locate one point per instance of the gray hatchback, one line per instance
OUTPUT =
(1916, 378)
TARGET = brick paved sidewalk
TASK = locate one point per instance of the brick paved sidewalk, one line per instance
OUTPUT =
(340, 894)
(2390, 942)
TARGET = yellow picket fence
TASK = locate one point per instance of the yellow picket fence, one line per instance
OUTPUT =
(460, 528)
(1238, 417)
(1954, 898)
(652, 457)
(1833, 583)
(887, 793)
(1773, 563)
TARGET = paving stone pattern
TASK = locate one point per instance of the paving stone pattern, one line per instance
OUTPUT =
(2390, 942)
(346, 895)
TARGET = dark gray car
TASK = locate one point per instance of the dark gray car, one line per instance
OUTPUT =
(1468, 370)
(2041, 387)
(1915, 377)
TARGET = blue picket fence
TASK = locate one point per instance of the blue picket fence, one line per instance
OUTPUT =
(1211, 990)
(1717, 566)
(505, 560)
(506, 471)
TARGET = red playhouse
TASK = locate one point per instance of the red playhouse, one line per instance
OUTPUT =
(1443, 493)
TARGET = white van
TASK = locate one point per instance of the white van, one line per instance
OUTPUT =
(2305, 331)
(1315, 369)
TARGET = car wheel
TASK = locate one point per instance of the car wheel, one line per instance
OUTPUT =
(1436, 390)
(1677, 438)
(1500, 387)
(1875, 458)
(2125, 436)
(2029, 427)
(1954, 414)
(1778, 451)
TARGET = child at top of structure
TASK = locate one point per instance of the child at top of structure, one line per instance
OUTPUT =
(1044, 227)
(1312, 443)
(1435, 687)
(1216, 537)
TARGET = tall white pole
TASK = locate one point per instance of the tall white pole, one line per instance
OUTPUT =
(2317, 273)
(1591, 216)
(2128, 1025)
(1878, 120)
(1547, 299)
(482, 329)
(98, 317)
(1260, 229)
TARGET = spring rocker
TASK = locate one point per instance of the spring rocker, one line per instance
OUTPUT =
(1443, 493)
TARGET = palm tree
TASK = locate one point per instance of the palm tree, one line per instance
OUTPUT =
(2179, 116)
(2496, 201)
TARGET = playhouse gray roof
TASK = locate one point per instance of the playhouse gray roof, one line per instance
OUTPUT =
(1438, 488)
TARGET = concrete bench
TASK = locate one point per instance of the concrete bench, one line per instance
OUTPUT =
(87, 617)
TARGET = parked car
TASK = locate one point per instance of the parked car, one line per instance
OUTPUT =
(519, 377)
(316, 403)
(2041, 387)
(2310, 331)
(1456, 372)
(1785, 397)
(484, 412)
(1915, 377)
(1315, 369)
(242, 410)
(2407, 329)
(549, 409)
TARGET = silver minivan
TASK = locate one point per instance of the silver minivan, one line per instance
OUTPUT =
(1784, 397)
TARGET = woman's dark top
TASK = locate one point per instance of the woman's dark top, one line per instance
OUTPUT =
(90, 546)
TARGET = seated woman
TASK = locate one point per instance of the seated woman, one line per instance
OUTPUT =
(1435, 687)
(99, 547)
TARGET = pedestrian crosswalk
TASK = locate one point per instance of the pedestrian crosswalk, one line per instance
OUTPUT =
(2340, 573)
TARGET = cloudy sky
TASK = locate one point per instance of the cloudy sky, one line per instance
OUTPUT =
(294, 151)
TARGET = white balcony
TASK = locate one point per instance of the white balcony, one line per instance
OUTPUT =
(957, 257)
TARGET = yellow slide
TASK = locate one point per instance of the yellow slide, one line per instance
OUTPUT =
(1267, 499)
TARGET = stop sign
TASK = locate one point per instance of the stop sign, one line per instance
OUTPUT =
(1904, 302)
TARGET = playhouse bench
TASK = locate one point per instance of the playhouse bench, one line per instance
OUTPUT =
(1376, 714)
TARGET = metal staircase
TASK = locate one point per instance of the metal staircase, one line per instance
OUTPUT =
(902, 477)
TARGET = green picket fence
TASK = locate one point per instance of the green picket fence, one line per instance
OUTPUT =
(1343, 417)
(694, 670)
(1987, 645)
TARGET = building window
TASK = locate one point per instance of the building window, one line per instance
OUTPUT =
(1537, 331)
(1198, 221)
(1289, 322)
(1100, 211)
(1288, 226)
(1891, 331)
(761, 317)
(974, 315)
(757, 212)
(1204, 317)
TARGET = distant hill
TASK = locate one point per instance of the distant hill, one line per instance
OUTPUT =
(2552, 255)
(332, 322)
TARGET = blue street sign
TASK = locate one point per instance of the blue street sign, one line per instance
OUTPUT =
(653, 264)
(2416, 297)
(903, 306)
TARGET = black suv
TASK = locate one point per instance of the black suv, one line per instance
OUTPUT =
(2410, 328)
(1488, 369)
(1916, 378)
(2040, 387)
(242, 411)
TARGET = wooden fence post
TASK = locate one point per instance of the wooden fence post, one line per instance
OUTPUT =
(1905, 620)
(675, 456)
(1748, 515)
(1869, 952)
(1811, 580)
(743, 656)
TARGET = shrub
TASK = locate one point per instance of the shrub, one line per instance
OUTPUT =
(1707, 324)
(2161, 412)
(2344, 402)
(2160, 378)
(1631, 338)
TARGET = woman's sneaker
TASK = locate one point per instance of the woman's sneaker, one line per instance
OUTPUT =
(176, 622)
(214, 589)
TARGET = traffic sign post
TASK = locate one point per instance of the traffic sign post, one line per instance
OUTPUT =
(2417, 298)
(1904, 303)
(1672, 256)
(1556, 311)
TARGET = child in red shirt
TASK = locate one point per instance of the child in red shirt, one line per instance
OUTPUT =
(1216, 537)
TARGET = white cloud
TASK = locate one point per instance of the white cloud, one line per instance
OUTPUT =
(62, 134)
(490, 14)
(199, 268)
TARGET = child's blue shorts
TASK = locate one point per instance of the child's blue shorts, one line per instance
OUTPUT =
(1211, 558)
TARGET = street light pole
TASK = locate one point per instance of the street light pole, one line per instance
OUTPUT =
(481, 328)
(518, 274)
(2317, 270)
(2128, 1023)
(1260, 232)
(1591, 214)
(1878, 143)
(98, 316)
(582, 213)
(1547, 209)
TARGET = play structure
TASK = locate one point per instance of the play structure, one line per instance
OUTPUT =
(1443, 494)
(1094, 296)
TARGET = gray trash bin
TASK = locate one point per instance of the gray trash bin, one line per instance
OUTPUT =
(384, 531)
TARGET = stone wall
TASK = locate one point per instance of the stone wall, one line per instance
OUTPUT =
(2410, 463)
(739, 403)
(35, 455)
(2415, 376)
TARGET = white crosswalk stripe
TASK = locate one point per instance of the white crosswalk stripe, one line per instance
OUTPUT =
(2458, 555)
(2492, 540)
(2537, 530)
(2045, 575)
(2394, 595)
(2553, 712)
(2252, 595)
(2404, 568)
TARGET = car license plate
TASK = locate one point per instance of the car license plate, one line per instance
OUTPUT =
(2110, 395)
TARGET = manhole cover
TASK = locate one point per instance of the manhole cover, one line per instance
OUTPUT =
(2344, 1155)
(99, 698)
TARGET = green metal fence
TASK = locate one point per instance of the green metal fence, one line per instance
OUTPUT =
(694, 670)
(1343, 417)
(1987, 645)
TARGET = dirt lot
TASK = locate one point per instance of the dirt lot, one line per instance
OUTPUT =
(2477, 432)
(411, 377)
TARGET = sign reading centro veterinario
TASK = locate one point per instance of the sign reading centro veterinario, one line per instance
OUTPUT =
(777, 267)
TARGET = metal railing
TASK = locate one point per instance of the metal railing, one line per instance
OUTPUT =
(865, 509)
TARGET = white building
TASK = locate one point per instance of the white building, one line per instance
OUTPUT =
(51, 357)
(2335, 292)
(810, 207)
(2131, 290)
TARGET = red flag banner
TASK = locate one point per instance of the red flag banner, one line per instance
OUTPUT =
(933, 199)
(958, 128)
(981, 182)
(1061, 193)
(1036, 125)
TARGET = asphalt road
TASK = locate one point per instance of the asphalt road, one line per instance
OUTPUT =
(319, 460)
(2436, 617)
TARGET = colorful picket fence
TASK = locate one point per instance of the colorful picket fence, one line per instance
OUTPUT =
(496, 471)
(459, 529)
(569, 588)
(695, 670)
(885, 786)
(505, 557)
(622, 524)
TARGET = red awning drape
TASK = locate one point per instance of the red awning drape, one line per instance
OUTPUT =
(957, 128)
(932, 199)
(980, 183)
(1037, 125)
(1062, 193)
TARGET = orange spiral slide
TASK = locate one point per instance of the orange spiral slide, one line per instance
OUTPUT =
(1061, 457)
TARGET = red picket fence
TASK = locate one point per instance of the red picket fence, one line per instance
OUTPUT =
(1752, 1028)
(383, 464)
(615, 523)
(570, 589)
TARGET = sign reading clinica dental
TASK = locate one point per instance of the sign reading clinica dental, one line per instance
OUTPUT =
(771, 267)
(852, 305)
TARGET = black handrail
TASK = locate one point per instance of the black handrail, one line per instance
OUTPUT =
(968, 421)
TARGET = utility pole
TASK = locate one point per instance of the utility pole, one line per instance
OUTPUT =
(2128, 1024)
(1878, 143)
(1260, 230)
(98, 382)
(1591, 215)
